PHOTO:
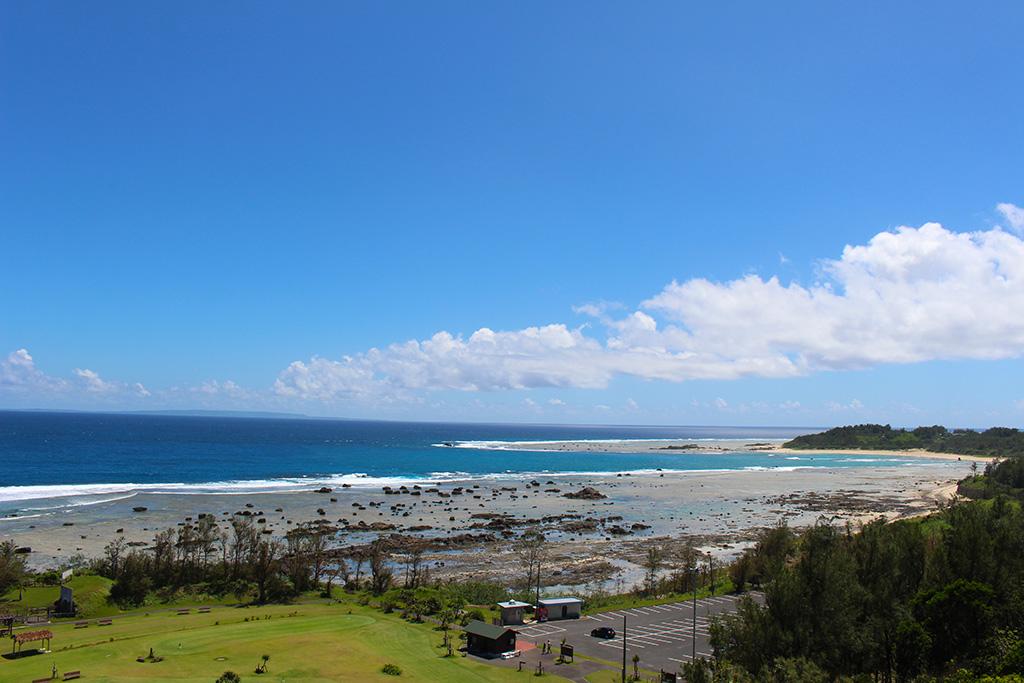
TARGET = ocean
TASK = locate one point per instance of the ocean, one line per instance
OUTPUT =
(57, 455)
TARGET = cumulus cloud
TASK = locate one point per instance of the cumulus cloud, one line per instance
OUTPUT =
(909, 295)
(227, 388)
(1014, 216)
(20, 376)
(93, 382)
(18, 372)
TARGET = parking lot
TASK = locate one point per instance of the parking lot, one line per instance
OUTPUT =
(661, 634)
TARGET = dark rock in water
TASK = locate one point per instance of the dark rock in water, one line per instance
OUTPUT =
(23, 550)
(320, 511)
(324, 489)
(346, 486)
(69, 523)
(119, 531)
(585, 493)
(139, 508)
(639, 527)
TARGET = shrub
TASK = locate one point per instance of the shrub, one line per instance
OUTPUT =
(391, 670)
(229, 677)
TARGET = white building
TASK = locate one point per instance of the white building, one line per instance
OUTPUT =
(512, 612)
(553, 609)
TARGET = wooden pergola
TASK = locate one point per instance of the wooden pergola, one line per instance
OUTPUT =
(31, 636)
(6, 624)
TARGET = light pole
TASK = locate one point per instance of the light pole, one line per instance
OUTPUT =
(623, 648)
(711, 571)
(693, 575)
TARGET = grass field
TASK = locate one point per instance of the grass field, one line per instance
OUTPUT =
(306, 642)
(90, 593)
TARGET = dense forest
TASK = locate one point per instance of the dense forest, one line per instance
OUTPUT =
(996, 442)
(941, 596)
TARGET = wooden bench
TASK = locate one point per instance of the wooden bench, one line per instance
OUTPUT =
(204, 610)
(72, 675)
(42, 680)
(104, 622)
(81, 624)
(184, 611)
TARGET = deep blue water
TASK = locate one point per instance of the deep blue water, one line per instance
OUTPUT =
(73, 452)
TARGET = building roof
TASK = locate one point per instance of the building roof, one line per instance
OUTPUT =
(489, 631)
(561, 601)
(509, 604)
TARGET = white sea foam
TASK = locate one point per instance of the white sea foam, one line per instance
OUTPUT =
(499, 445)
(46, 492)
(93, 494)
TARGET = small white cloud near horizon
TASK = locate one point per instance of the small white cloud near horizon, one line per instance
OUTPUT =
(93, 382)
(18, 372)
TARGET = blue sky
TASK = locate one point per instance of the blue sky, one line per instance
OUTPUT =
(196, 198)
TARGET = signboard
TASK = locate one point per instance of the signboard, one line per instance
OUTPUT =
(668, 677)
(68, 573)
(566, 652)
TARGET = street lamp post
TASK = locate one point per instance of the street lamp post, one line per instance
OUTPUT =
(623, 648)
(711, 572)
(693, 575)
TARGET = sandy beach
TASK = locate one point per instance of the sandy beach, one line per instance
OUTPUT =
(701, 446)
(594, 541)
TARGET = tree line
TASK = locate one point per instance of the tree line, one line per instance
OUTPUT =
(895, 601)
(996, 442)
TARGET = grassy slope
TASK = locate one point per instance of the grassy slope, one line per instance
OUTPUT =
(90, 594)
(311, 642)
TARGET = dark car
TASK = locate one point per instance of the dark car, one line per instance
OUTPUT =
(603, 632)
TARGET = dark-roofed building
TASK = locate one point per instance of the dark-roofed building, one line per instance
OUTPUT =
(489, 640)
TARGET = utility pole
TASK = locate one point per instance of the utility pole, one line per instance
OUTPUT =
(623, 648)
(693, 573)
(537, 601)
(711, 571)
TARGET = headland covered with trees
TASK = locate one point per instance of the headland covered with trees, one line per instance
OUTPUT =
(997, 442)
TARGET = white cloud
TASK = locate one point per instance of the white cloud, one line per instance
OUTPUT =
(556, 402)
(93, 382)
(837, 407)
(720, 403)
(19, 376)
(18, 372)
(226, 388)
(910, 295)
(1014, 216)
(632, 406)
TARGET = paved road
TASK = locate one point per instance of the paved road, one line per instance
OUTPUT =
(662, 634)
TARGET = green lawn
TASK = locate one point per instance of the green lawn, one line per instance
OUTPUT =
(306, 642)
(90, 593)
